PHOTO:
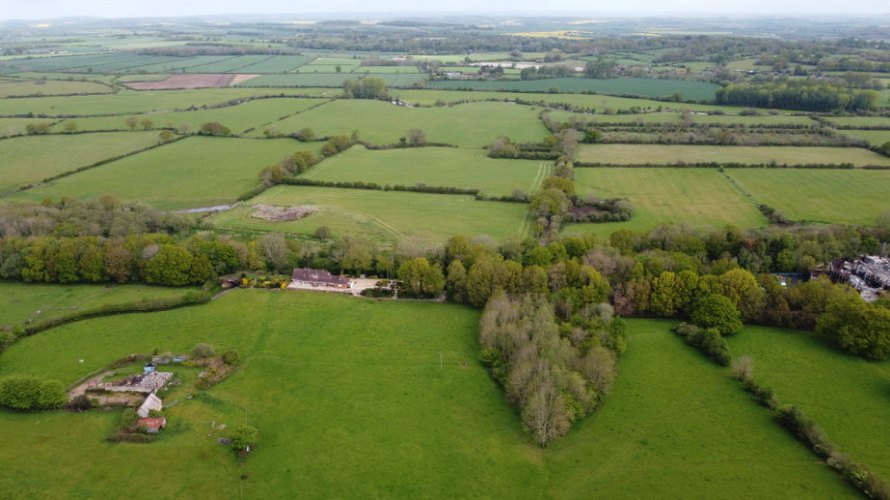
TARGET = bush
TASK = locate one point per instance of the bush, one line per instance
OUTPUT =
(709, 341)
(80, 403)
(243, 437)
(30, 393)
(230, 357)
(203, 351)
(128, 418)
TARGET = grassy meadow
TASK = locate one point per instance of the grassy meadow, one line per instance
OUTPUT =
(837, 196)
(448, 167)
(658, 154)
(471, 125)
(356, 397)
(874, 137)
(32, 159)
(39, 302)
(643, 87)
(50, 87)
(241, 118)
(426, 219)
(846, 395)
(190, 173)
(698, 197)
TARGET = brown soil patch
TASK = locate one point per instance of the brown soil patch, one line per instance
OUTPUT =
(282, 214)
(241, 79)
(192, 81)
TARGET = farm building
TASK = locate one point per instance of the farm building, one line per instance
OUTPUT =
(319, 278)
(869, 274)
(152, 425)
(152, 402)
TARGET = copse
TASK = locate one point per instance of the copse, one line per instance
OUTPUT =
(371, 87)
(31, 393)
(806, 95)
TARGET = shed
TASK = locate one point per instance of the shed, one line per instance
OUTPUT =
(152, 402)
(152, 425)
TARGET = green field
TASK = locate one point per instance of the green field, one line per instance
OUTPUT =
(471, 125)
(676, 118)
(50, 87)
(426, 219)
(134, 101)
(241, 118)
(657, 154)
(193, 172)
(16, 126)
(860, 121)
(325, 76)
(698, 197)
(449, 167)
(874, 137)
(31, 159)
(334, 383)
(837, 196)
(844, 394)
(40, 302)
(643, 87)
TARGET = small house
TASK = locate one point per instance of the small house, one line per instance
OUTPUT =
(152, 402)
(152, 425)
(319, 277)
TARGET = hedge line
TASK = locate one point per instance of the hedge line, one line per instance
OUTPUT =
(188, 299)
(417, 188)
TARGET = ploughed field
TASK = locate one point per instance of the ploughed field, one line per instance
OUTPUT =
(355, 397)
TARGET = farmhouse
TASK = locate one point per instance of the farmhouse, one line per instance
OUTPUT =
(152, 425)
(306, 277)
(152, 402)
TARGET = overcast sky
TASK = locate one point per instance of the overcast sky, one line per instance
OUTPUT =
(47, 9)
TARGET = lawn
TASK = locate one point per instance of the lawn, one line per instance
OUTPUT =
(472, 125)
(658, 154)
(449, 167)
(50, 87)
(240, 118)
(359, 398)
(642, 87)
(32, 159)
(39, 302)
(837, 196)
(698, 197)
(846, 395)
(193, 172)
(426, 219)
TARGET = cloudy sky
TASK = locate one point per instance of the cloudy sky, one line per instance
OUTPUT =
(46, 9)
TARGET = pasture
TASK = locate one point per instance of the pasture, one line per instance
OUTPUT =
(50, 87)
(31, 159)
(844, 394)
(471, 125)
(40, 302)
(133, 101)
(698, 197)
(873, 137)
(333, 383)
(832, 196)
(17, 126)
(308, 78)
(860, 121)
(426, 219)
(190, 173)
(677, 118)
(240, 118)
(658, 154)
(642, 87)
(448, 167)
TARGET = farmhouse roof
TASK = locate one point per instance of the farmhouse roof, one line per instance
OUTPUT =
(319, 276)
(152, 402)
(152, 424)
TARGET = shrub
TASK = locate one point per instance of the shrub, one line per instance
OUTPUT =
(128, 418)
(80, 403)
(243, 437)
(709, 341)
(203, 351)
(743, 368)
(30, 393)
(230, 357)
